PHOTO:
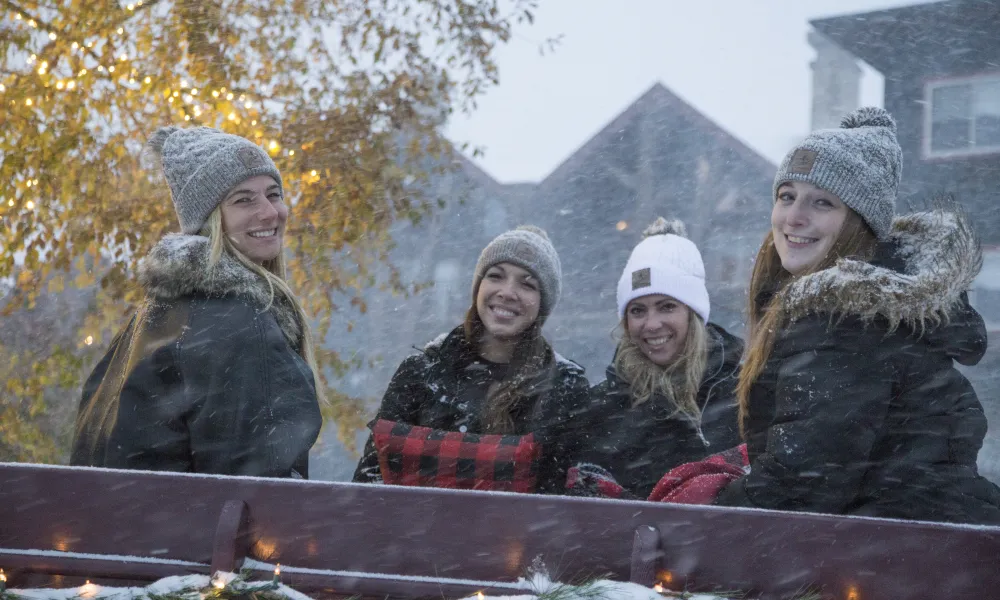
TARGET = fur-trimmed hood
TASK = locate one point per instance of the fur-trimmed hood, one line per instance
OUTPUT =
(917, 279)
(177, 266)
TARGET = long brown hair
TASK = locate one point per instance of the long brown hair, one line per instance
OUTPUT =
(766, 316)
(532, 357)
(679, 382)
(97, 419)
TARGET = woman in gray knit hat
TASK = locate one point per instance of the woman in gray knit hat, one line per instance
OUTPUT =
(215, 372)
(494, 374)
(850, 401)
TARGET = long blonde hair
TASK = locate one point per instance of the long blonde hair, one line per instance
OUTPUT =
(138, 339)
(765, 319)
(678, 383)
(532, 357)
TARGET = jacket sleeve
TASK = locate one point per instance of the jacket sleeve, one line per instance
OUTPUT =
(560, 431)
(401, 402)
(832, 393)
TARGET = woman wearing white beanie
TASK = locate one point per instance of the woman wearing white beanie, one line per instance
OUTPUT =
(669, 394)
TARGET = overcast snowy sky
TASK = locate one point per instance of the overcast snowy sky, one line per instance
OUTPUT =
(745, 64)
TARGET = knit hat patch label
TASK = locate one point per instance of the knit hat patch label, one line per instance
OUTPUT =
(641, 279)
(250, 158)
(525, 252)
(802, 162)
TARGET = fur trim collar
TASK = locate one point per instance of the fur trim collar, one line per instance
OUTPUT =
(177, 266)
(938, 255)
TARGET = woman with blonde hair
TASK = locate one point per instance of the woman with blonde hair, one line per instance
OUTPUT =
(486, 405)
(668, 398)
(849, 396)
(216, 370)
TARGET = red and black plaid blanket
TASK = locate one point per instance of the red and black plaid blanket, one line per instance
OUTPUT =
(421, 456)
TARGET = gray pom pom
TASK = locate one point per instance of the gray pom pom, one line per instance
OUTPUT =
(159, 138)
(662, 226)
(535, 230)
(868, 116)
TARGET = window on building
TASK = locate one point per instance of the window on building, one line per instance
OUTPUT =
(445, 288)
(963, 117)
(494, 219)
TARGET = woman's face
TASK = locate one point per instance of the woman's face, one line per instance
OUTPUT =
(658, 324)
(805, 221)
(254, 216)
(508, 301)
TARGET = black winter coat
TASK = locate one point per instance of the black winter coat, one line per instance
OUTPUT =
(639, 444)
(860, 409)
(444, 387)
(217, 386)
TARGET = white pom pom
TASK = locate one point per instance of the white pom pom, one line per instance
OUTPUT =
(662, 226)
(159, 138)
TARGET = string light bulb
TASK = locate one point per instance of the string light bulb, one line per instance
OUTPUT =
(89, 340)
(31, 206)
(148, 79)
(276, 580)
(74, 45)
(2, 88)
(71, 85)
(111, 69)
(121, 30)
(218, 583)
(27, 102)
(52, 36)
(229, 96)
(215, 93)
(184, 83)
(3, 576)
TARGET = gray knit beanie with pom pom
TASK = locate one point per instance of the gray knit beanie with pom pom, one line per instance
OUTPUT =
(527, 247)
(861, 162)
(665, 262)
(202, 165)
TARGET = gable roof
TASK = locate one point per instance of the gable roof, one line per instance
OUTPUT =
(885, 38)
(657, 100)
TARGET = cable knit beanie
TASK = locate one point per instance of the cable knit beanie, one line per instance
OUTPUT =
(665, 262)
(861, 162)
(202, 165)
(527, 247)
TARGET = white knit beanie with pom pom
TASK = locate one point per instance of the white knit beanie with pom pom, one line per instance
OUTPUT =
(665, 262)
(527, 247)
(202, 165)
(861, 162)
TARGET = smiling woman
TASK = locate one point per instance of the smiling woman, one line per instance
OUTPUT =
(668, 397)
(495, 374)
(215, 372)
(850, 401)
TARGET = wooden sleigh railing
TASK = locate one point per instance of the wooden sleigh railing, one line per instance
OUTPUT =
(338, 539)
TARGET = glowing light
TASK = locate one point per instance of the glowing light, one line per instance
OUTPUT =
(215, 93)
(123, 57)
(194, 92)
(83, 72)
(621, 226)
(658, 588)
(480, 595)
(29, 205)
(232, 116)
(218, 583)
(176, 93)
(17, 17)
(170, 99)
(90, 44)
(254, 122)
(32, 23)
(853, 594)
(273, 145)
(27, 102)
(229, 96)
(32, 59)
(131, 7)
(148, 79)
(74, 45)
(89, 340)
(291, 153)
(248, 105)
(71, 85)
(121, 30)
(100, 68)
(10, 202)
(111, 69)
(52, 36)
(187, 117)
(2, 88)
(313, 173)
(184, 83)
(59, 85)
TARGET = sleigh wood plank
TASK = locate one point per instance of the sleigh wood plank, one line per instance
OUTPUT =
(337, 539)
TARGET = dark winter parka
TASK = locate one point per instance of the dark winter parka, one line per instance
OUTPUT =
(217, 385)
(860, 409)
(639, 444)
(445, 385)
